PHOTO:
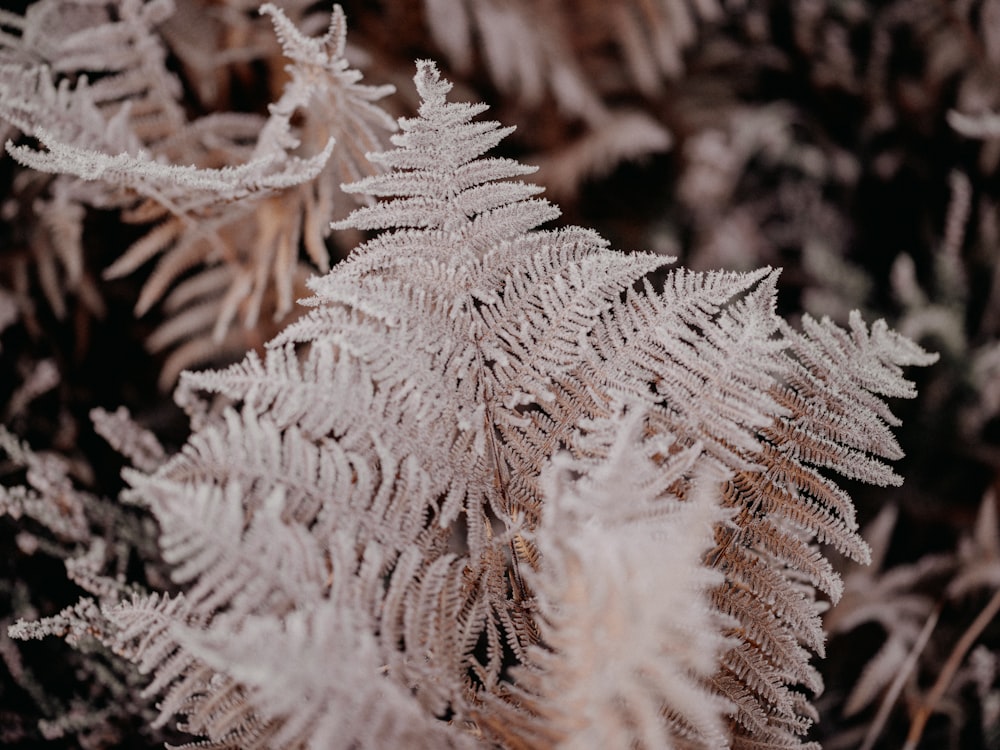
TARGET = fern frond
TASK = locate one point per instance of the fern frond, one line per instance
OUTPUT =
(436, 167)
(593, 683)
(181, 189)
(388, 491)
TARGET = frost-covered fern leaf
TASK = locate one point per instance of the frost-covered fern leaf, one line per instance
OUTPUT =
(94, 76)
(656, 642)
(181, 189)
(117, 42)
(327, 95)
(261, 238)
(385, 503)
(232, 196)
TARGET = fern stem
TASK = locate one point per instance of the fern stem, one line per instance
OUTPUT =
(955, 659)
(901, 677)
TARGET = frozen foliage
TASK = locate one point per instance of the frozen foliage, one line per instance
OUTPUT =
(493, 486)
(228, 195)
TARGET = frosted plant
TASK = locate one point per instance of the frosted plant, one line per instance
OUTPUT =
(229, 197)
(491, 462)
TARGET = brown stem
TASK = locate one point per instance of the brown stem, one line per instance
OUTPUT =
(897, 684)
(951, 666)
